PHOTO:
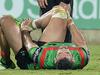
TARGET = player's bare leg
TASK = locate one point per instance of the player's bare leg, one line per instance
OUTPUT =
(5, 61)
(12, 33)
(44, 20)
(4, 45)
(55, 31)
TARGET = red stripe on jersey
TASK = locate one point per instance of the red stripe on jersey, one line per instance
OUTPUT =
(42, 58)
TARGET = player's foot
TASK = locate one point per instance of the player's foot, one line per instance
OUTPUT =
(5, 64)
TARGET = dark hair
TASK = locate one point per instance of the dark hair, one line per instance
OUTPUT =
(64, 64)
(66, 1)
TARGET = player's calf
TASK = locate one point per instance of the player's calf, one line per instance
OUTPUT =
(5, 61)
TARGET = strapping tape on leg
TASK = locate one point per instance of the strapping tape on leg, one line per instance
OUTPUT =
(59, 12)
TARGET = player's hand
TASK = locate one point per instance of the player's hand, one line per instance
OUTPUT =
(25, 25)
(42, 3)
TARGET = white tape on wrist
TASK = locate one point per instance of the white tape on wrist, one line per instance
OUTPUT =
(34, 25)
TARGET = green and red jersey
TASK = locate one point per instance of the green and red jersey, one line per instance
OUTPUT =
(48, 52)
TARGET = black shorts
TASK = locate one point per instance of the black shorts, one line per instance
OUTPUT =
(23, 59)
(39, 43)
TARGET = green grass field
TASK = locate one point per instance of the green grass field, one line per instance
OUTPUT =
(93, 67)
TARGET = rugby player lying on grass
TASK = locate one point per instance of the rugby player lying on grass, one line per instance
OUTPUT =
(50, 52)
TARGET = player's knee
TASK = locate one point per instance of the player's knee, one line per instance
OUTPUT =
(4, 18)
(59, 12)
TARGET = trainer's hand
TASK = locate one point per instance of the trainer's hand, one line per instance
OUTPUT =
(25, 25)
(42, 3)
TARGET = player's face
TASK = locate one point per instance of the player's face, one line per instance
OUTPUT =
(64, 52)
